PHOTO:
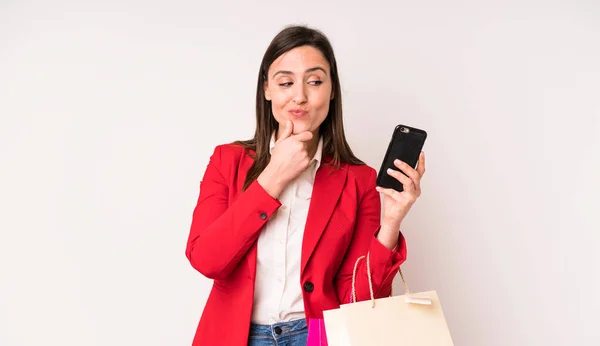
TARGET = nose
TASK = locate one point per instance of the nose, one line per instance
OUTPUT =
(300, 93)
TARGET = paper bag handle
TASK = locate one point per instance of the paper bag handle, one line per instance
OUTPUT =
(353, 296)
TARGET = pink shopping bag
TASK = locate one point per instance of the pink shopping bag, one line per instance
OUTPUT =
(316, 332)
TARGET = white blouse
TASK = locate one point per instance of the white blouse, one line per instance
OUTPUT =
(277, 288)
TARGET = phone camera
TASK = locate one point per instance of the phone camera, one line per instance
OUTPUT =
(404, 129)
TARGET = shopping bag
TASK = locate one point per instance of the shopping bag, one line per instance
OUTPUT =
(316, 332)
(412, 319)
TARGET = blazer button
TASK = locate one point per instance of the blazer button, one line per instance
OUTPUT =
(308, 286)
(263, 216)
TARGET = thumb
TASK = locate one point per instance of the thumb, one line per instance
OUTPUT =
(287, 130)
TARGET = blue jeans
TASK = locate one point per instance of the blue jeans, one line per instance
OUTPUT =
(292, 333)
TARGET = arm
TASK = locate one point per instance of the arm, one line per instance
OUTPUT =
(220, 235)
(384, 262)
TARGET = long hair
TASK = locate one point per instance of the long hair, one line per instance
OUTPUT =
(335, 144)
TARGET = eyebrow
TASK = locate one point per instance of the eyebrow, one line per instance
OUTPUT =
(312, 69)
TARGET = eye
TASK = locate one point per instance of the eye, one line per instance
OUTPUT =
(286, 84)
(315, 82)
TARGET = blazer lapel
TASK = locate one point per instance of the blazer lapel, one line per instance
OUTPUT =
(327, 189)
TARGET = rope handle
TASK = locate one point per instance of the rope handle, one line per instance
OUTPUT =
(353, 295)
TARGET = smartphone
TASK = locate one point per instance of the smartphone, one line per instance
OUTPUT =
(406, 145)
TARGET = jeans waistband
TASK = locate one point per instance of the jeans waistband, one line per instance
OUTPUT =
(278, 329)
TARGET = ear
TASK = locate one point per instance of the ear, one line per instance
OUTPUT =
(266, 91)
(332, 95)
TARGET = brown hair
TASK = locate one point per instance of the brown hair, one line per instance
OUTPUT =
(332, 128)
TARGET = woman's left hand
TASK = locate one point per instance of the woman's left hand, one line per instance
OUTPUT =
(397, 204)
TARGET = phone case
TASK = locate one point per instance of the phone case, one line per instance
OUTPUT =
(406, 144)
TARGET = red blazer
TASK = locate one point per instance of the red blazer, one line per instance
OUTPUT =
(342, 222)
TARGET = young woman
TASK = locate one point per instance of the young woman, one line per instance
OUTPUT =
(282, 218)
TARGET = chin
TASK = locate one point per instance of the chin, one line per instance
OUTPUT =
(300, 128)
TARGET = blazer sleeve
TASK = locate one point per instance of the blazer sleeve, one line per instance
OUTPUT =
(222, 233)
(384, 263)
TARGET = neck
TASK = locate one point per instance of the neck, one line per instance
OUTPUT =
(313, 144)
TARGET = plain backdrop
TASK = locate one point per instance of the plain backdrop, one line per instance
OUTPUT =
(109, 111)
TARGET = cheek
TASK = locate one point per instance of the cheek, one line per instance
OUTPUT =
(279, 102)
(321, 104)
(280, 99)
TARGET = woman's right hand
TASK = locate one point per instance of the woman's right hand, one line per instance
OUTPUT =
(288, 160)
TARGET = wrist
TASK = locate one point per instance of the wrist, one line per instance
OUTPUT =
(391, 225)
(271, 182)
(388, 235)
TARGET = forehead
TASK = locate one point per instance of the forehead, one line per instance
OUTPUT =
(298, 60)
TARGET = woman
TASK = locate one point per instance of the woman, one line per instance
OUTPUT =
(282, 218)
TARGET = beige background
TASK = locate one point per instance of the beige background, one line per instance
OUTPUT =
(110, 110)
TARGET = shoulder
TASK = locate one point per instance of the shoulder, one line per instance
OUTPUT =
(229, 150)
(364, 175)
(228, 155)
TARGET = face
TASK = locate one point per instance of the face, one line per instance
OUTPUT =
(299, 87)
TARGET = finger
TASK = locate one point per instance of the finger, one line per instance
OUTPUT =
(287, 130)
(408, 170)
(393, 194)
(417, 187)
(406, 181)
(304, 136)
(413, 175)
(421, 164)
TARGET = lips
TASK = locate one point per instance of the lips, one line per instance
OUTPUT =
(298, 112)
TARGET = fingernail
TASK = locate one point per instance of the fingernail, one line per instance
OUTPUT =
(389, 170)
